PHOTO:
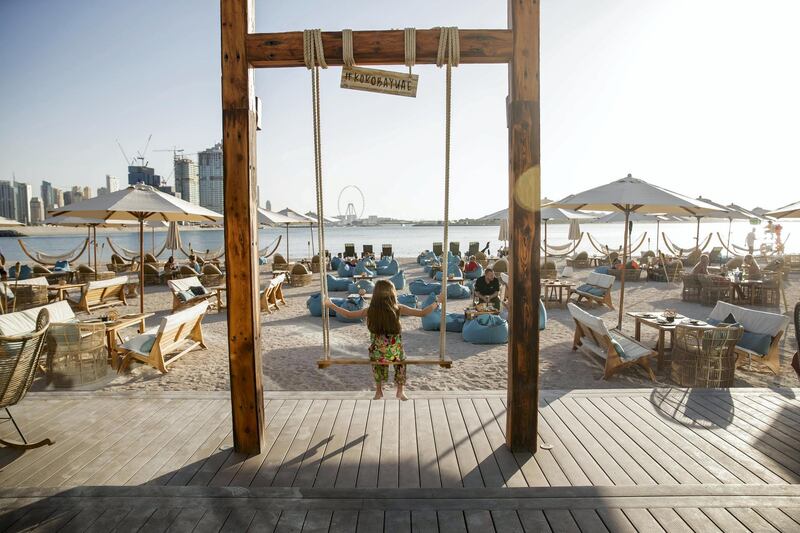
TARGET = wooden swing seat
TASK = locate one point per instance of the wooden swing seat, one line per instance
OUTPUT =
(325, 363)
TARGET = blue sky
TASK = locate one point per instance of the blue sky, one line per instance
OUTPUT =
(696, 95)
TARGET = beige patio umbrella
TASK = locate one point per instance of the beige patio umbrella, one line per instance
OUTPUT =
(173, 237)
(140, 203)
(560, 215)
(787, 211)
(632, 195)
(271, 218)
(91, 224)
(503, 233)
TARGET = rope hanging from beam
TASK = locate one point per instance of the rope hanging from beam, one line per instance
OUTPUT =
(410, 45)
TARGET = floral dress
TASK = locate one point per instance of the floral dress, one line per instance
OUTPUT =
(387, 348)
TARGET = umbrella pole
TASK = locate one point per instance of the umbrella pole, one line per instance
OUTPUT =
(94, 230)
(287, 243)
(730, 223)
(311, 230)
(622, 276)
(141, 265)
(697, 236)
(545, 242)
(658, 236)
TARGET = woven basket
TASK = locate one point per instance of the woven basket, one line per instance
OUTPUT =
(704, 357)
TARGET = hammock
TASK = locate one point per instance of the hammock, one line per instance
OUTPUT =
(49, 260)
(604, 249)
(678, 251)
(131, 255)
(265, 253)
(205, 256)
(558, 247)
(561, 249)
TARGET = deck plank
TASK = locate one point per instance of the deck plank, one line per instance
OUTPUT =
(429, 475)
(278, 413)
(479, 520)
(344, 521)
(533, 521)
(452, 522)
(307, 473)
(284, 477)
(424, 522)
(755, 415)
(445, 450)
(336, 447)
(724, 520)
(778, 519)
(589, 521)
(347, 475)
(484, 453)
(277, 453)
(471, 474)
(484, 419)
(397, 521)
(371, 451)
(408, 475)
(507, 521)
(317, 521)
(697, 520)
(750, 519)
(208, 448)
(670, 520)
(615, 520)
(389, 462)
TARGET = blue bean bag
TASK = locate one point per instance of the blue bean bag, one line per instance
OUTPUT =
(344, 270)
(314, 304)
(486, 329)
(337, 284)
(390, 269)
(367, 263)
(351, 304)
(362, 269)
(335, 262)
(451, 271)
(428, 301)
(61, 266)
(383, 261)
(427, 269)
(409, 300)
(454, 321)
(475, 274)
(365, 284)
(398, 280)
(457, 292)
(25, 272)
(421, 288)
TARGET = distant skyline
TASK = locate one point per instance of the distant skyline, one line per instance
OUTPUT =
(696, 96)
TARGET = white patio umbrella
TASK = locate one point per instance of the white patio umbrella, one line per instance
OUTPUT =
(787, 211)
(301, 219)
(140, 203)
(632, 195)
(503, 233)
(91, 224)
(271, 218)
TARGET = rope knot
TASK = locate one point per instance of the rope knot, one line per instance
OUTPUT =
(449, 47)
(313, 51)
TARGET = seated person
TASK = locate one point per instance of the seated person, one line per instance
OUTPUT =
(169, 268)
(751, 268)
(471, 265)
(194, 263)
(702, 266)
(487, 288)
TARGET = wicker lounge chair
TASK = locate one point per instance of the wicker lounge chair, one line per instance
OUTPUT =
(118, 265)
(691, 288)
(548, 270)
(300, 276)
(501, 265)
(618, 350)
(279, 263)
(178, 334)
(692, 259)
(212, 276)
(482, 260)
(85, 274)
(100, 294)
(631, 274)
(714, 289)
(150, 258)
(152, 275)
(581, 260)
(24, 294)
(19, 358)
(596, 289)
(182, 294)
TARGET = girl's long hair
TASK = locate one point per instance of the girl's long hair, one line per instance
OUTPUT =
(383, 314)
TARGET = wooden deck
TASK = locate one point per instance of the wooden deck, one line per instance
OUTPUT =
(616, 460)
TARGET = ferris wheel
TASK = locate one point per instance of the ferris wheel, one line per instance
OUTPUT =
(351, 198)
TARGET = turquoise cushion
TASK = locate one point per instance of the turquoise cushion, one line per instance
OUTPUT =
(398, 280)
(361, 268)
(457, 292)
(428, 301)
(409, 300)
(335, 262)
(391, 268)
(421, 288)
(454, 321)
(61, 265)
(383, 262)
(351, 304)
(486, 329)
(337, 284)
(427, 269)
(344, 270)
(185, 296)
(364, 284)
(618, 348)
(755, 342)
(584, 288)
(597, 291)
(314, 304)
(147, 345)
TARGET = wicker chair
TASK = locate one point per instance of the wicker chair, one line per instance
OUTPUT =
(279, 263)
(769, 292)
(581, 260)
(482, 260)
(501, 265)
(76, 353)
(185, 271)
(691, 288)
(85, 274)
(19, 359)
(734, 263)
(713, 289)
(211, 276)
(300, 276)
(548, 270)
(152, 276)
(315, 264)
(118, 264)
(150, 258)
(704, 357)
(631, 274)
(26, 294)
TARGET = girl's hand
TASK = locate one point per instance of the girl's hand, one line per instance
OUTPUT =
(327, 303)
(439, 298)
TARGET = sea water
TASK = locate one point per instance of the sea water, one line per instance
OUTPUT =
(406, 240)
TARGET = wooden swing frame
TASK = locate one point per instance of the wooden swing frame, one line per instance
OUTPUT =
(242, 51)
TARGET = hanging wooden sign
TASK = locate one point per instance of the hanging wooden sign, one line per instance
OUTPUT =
(379, 81)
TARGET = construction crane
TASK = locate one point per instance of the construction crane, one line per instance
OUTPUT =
(140, 156)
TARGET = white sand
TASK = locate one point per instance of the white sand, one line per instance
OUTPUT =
(291, 341)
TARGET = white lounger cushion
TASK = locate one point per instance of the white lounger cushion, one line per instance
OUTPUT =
(753, 321)
(23, 322)
(99, 284)
(600, 280)
(183, 284)
(143, 342)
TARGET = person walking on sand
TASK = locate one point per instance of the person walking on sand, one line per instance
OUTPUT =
(750, 241)
(385, 333)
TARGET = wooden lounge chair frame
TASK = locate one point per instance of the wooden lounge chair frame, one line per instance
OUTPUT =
(272, 294)
(101, 294)
(366, 250)
(349, 249)
(603, 300)
(177, 285)
(173, 334)
(474, 248)
(437, 249)
(455, 248)
(613, 362)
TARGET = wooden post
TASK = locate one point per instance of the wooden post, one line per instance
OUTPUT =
(239, 153)
(624, 268)
(141, 265)
(524, 226)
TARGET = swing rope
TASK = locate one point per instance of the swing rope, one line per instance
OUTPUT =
(448, 54)
(314, 58)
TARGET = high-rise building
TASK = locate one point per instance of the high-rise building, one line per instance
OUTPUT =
(268, 205)
(58, 197)
(102, 191)
(23, 202)
(37, 211)
(146, 175)
(168, 189)
(46, 191)
(112, 184)
(87, 192)
(8, 200)
(187, 185)
(209, 163)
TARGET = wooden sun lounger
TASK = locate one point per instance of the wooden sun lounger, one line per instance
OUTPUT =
(102, 293)
(184, 284)
(273, 293)
(601, 282)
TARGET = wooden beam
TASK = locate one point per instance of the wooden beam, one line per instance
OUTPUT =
(386, 47)
(524, 226)
(241, 254)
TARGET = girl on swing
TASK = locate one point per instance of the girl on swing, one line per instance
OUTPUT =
(386, 340)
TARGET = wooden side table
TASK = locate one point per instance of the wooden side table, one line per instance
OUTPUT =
(113, 330)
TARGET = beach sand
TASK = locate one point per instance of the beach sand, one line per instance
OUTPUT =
(291, 344)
